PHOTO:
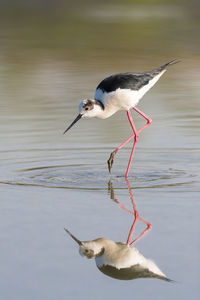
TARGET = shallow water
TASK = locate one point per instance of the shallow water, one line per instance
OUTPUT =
(50, 181)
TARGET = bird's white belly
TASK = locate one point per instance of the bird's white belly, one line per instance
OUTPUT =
(123, 99)
(120, 258)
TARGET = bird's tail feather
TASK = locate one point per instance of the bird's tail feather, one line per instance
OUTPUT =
(163, 67)
(172, 62)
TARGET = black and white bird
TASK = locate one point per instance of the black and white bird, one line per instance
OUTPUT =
(122, 91)
(118, 260)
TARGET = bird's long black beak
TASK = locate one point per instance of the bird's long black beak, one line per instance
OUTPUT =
(76, 120)
(74, 238)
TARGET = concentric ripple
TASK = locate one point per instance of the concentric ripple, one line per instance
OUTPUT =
(38, 170)
(96, 177)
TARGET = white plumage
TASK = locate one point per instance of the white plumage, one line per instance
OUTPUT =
(119, 260)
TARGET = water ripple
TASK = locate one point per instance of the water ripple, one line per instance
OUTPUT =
(64, 168)
(95, 177)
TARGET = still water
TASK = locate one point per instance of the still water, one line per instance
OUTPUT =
(49, 181)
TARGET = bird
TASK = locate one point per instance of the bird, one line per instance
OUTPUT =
(118, 260)
(117, 92)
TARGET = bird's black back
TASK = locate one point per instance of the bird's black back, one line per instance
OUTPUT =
(133, 81)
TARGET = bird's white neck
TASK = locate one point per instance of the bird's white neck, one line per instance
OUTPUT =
(107, 112)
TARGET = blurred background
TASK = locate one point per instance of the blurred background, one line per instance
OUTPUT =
(97, 32)
(52, 55)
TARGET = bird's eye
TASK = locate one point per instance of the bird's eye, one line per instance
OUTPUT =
(86, 108)
(86, 250)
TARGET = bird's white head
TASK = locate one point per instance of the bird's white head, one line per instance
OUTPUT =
(91, 249)
(88, 249)
(88, 108)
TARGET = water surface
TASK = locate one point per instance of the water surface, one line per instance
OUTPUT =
(50, 181)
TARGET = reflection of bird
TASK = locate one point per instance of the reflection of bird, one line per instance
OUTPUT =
(119, 260)
(120, 92)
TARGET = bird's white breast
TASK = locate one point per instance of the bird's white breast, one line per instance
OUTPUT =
(119, 257)
(121, 99)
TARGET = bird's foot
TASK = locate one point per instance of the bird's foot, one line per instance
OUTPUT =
(110, 161)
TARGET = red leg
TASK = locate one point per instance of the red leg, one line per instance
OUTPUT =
(135, 135)
(112, 155)
(149, 120)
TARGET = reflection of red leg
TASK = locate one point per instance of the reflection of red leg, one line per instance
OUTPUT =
(137, 218)
(133, 212)
(149, 226)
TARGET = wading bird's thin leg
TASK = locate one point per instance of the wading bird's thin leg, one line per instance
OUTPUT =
(149, 120)
(112, 155)
(136, 140)
(136, 133)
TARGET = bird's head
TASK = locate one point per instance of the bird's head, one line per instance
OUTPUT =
(88, 108)
(88, 249)
(91, 249)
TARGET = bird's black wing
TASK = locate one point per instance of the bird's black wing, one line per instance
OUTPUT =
(133, 81)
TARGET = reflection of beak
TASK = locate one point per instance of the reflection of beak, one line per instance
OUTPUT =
(77, 118)
(74, 238)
